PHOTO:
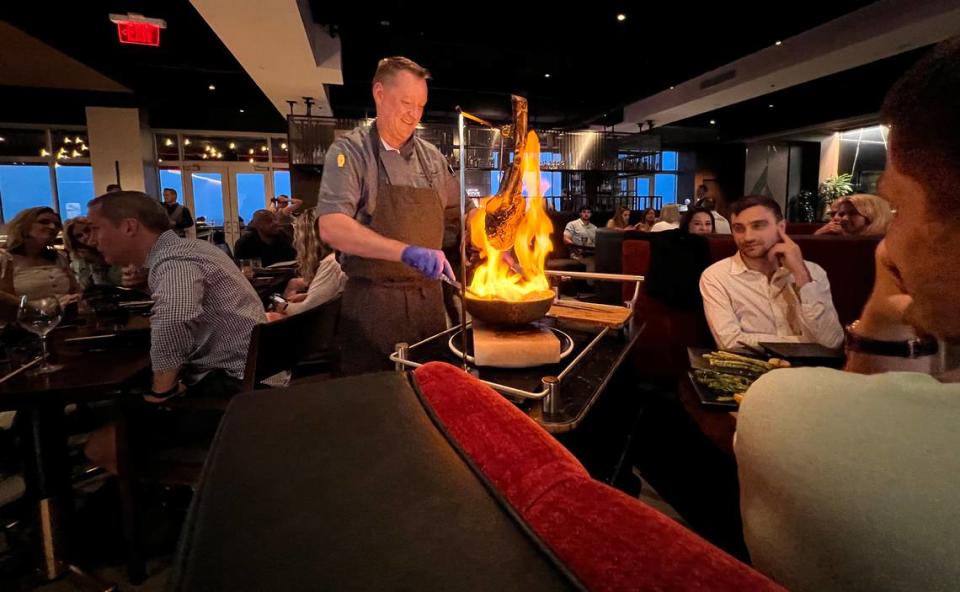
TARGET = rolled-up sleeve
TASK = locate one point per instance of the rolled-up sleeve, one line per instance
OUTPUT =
(341, 188)
(817, 312)
(177, 289)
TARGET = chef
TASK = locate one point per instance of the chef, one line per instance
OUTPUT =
(383, 200)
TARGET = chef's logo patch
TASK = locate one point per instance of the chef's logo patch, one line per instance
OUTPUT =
(341, 160)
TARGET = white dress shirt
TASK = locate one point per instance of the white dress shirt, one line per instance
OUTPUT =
(663, 226)
(720, 224)
(742, 305)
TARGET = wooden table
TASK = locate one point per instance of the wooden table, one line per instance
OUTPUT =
(88, 374)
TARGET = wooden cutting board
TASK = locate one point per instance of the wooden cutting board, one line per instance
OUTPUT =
(599, 314)
(514, 348)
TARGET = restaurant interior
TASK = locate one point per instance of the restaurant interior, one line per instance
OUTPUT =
(298, 295)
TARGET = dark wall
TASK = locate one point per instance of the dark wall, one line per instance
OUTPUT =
(721, 168)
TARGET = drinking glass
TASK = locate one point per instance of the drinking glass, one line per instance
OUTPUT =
(39, 316)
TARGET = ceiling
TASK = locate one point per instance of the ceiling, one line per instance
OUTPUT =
(171, 81)
(596, 63)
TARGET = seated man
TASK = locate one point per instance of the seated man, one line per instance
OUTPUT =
(203, 312)
(580, 236)
(767, 292)
(265, 240)
(849, 482)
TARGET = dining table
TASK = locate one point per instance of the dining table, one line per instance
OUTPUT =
(100, 357)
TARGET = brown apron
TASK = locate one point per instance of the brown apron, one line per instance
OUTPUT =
(386, 302)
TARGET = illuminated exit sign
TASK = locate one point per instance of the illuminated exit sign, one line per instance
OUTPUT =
(137, 29)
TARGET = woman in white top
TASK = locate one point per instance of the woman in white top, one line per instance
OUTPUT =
(30, 266)
(669, 218)
(321, 279)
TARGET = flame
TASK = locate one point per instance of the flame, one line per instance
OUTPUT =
(494, 278)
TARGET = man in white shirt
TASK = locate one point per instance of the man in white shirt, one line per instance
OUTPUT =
(580, 236)
(767, 292)
(850, 482)
(581, 232)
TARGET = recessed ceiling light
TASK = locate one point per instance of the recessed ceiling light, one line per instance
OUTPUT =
(778, 43)
(546, 75)
(713, 122)
(770, 105)
(212, 87)
(2, 139)
(672, 87)
(242, 111)
(384, 23)
(621, 17)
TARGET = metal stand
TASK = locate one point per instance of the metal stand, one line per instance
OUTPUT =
(551, 403)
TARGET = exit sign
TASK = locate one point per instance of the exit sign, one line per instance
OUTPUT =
(136, 29)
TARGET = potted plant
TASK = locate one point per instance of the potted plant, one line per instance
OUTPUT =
(834, 188)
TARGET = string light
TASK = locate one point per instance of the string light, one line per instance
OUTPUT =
(251, 161)
(250, 151)
(283, 145)
(186, 142)
(43, 152)
(169, 142)
(263, 148)
(233, 146)
(67, 140)
(75, 154)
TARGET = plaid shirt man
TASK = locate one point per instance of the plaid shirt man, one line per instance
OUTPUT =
(203, 312)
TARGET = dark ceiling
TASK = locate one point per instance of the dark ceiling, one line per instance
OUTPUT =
(596, 63)
(852, 93)
(171, 81)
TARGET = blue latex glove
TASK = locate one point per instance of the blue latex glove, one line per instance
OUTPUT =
(429, 262)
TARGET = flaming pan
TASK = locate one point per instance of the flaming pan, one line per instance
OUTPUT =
(505, 312)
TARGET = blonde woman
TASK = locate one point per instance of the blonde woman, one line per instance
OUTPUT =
(321, 279)
(669, 218)
(30, 266)
(861, 214)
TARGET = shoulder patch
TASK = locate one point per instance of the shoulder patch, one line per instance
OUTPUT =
(341, 160)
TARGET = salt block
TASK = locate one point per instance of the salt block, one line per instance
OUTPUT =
(513, 347)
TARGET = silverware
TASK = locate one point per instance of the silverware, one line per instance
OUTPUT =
(20, 369)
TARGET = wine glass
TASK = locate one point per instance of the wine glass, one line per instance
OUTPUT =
(40, 316)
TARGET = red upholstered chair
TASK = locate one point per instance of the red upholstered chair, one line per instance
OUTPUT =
(607, 539)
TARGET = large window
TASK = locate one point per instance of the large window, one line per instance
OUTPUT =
(172, 179)
(281, 182)
(665, 186)
(668, 161)
(74, 189)
(24, 186)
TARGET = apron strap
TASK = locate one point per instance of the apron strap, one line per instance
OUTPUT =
(382, 173)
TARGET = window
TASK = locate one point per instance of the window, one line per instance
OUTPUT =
(281, 183)
(251, 194)
(172, 179)
(665, 186)
(24, 186)
(668, 161)
(74, 189)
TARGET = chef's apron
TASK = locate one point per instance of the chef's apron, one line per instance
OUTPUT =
(387, 302)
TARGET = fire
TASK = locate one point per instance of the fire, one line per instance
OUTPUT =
(495, 278)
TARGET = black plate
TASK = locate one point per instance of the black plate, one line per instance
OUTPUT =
(708, 396)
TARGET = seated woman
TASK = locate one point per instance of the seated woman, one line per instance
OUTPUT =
(647, 221)
(30, 266)
(86, 262)
(669, 219)
(859, 215)
(320, 273)
(621, 220)
(697, 220)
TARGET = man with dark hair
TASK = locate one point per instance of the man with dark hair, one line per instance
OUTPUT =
(180, 216)
(203, 311)
(849, 482)
(264, 239)
(767, 292)
(382, 204)
(580, 236)
(113, 188)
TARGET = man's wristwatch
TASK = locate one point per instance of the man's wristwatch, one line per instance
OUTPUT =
(917, 347)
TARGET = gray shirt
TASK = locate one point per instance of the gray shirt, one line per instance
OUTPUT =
(203, 311)
(849, 482)
(351, 176)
